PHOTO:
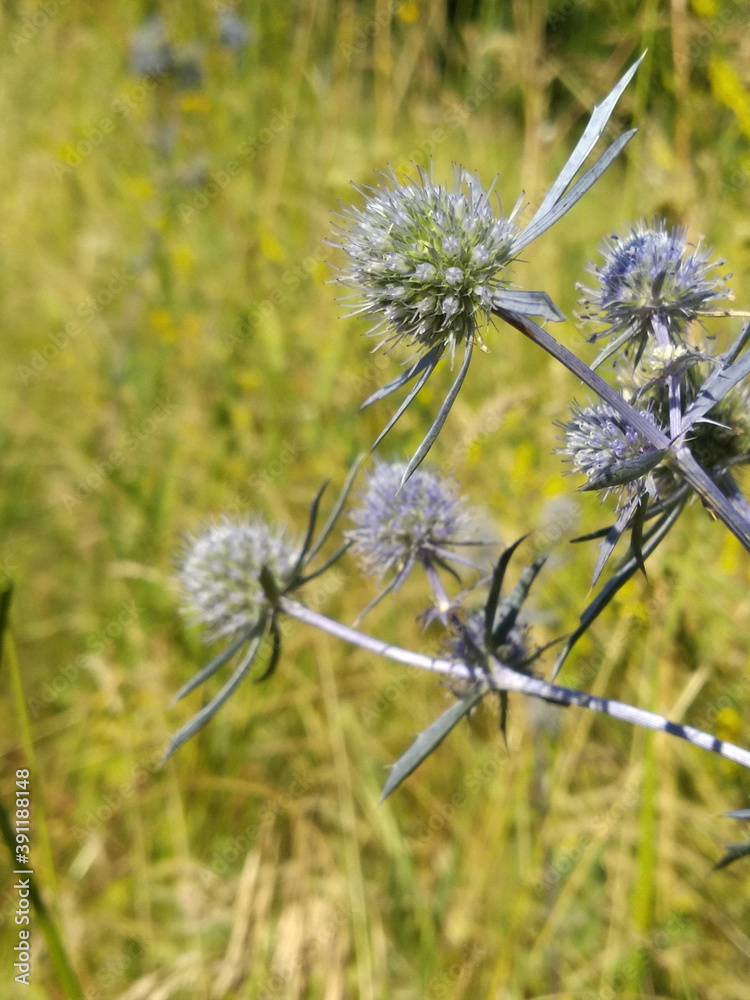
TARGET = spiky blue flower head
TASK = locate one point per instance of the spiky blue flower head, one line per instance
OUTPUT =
(652, 284)
(399, 526)
(220, 573)
(600, 443)
(424, 259)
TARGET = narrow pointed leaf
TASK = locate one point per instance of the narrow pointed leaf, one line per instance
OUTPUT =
(579, 189)
(498, 575)
(715, 388)
(442, 416)
(600, 115)
(504, 716)
(269, 585)
(612, 346)
(408, 399)
(636, 534)
(311, 522)
(201, 718)
(605, 595)
(390, 586)
(326, 565)
(508, 611)
(527, 303)
(337, 507)
(731, 355)
(216, 664)
(430, 738)
(734, 853)
(427, 360)
(438, 560)
(275, 652)
(657, 509)
(613, 537)
(693, 474)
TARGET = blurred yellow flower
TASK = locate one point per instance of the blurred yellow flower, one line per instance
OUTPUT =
(408, 12)
(727, 88)
(139, 188)
(161, 323)
(270, 247)
(198, 104)
(728, 724)
(249, 379)
(705, 8)
(183, 257)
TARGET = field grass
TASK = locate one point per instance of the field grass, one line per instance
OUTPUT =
(173, 348)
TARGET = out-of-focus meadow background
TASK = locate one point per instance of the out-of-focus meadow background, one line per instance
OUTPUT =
(172, 348)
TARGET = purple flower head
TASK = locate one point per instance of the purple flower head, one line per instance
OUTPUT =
(220, 574)
(398, 526)
(425, 259)
(600, 443)
(652, 284)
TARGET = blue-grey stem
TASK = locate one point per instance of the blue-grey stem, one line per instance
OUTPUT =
(505, 679)
(442, 601)
(681, 457)
(673, 381)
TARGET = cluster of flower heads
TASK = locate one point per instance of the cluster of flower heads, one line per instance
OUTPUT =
(153, 55)
(426, 259)
(652, 284)
(220, 573)
(398, 527)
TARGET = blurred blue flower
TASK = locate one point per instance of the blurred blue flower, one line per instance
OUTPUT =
(234, 32)
(150, 52)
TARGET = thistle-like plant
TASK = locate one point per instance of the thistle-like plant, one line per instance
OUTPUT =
(429, 262)
(429, 266)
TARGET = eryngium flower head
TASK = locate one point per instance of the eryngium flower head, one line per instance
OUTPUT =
(722, 438)
(398, 526)
(466, 643)
(425, 259)
(651, 280)
(220, 574)
(600, 443)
